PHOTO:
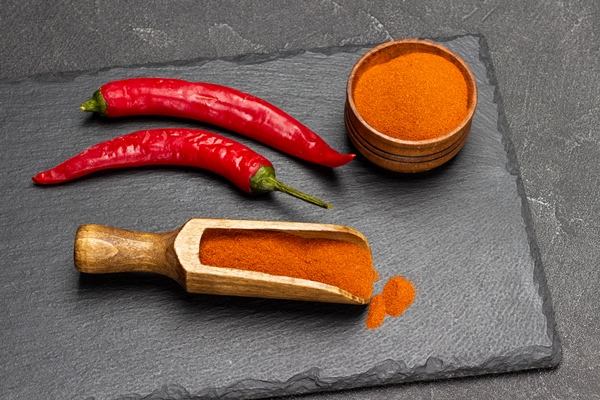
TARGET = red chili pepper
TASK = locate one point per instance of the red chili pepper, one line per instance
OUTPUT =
(217, 105)
(247, 169)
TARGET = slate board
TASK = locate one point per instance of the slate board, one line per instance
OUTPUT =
(461, 234)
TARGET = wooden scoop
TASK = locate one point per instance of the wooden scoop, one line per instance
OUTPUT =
(101, 249)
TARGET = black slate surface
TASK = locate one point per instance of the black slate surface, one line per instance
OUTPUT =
(460, 233)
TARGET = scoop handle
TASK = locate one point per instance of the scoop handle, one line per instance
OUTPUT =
(102, 249)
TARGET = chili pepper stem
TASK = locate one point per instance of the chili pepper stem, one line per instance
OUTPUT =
(264, 181)
(96, 104)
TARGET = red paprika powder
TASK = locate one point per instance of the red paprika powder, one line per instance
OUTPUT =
(333, 262)
(415, 96)
(376, 313)
(398, 294)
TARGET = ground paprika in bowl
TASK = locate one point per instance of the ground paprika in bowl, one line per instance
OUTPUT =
(410, 104)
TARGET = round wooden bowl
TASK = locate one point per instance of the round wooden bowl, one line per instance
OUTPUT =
(406, 155)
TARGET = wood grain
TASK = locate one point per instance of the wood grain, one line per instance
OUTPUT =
(101, 249)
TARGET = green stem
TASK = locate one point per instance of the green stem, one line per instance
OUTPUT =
(96, 104)
(264, 181)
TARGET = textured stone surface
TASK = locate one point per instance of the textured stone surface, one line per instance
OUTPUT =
(460, 234)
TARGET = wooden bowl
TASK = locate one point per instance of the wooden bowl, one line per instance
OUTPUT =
(406, 155)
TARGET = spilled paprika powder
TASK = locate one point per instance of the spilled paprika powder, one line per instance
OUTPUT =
(415, 96)
(376, 313)
(333, 262)
(398, 294)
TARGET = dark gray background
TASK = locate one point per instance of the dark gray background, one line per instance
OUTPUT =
(546, 57)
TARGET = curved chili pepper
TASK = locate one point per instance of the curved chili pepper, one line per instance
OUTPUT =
(247, 169)
(217, 105)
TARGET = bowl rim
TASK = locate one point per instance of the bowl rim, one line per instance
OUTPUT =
(425, 44)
